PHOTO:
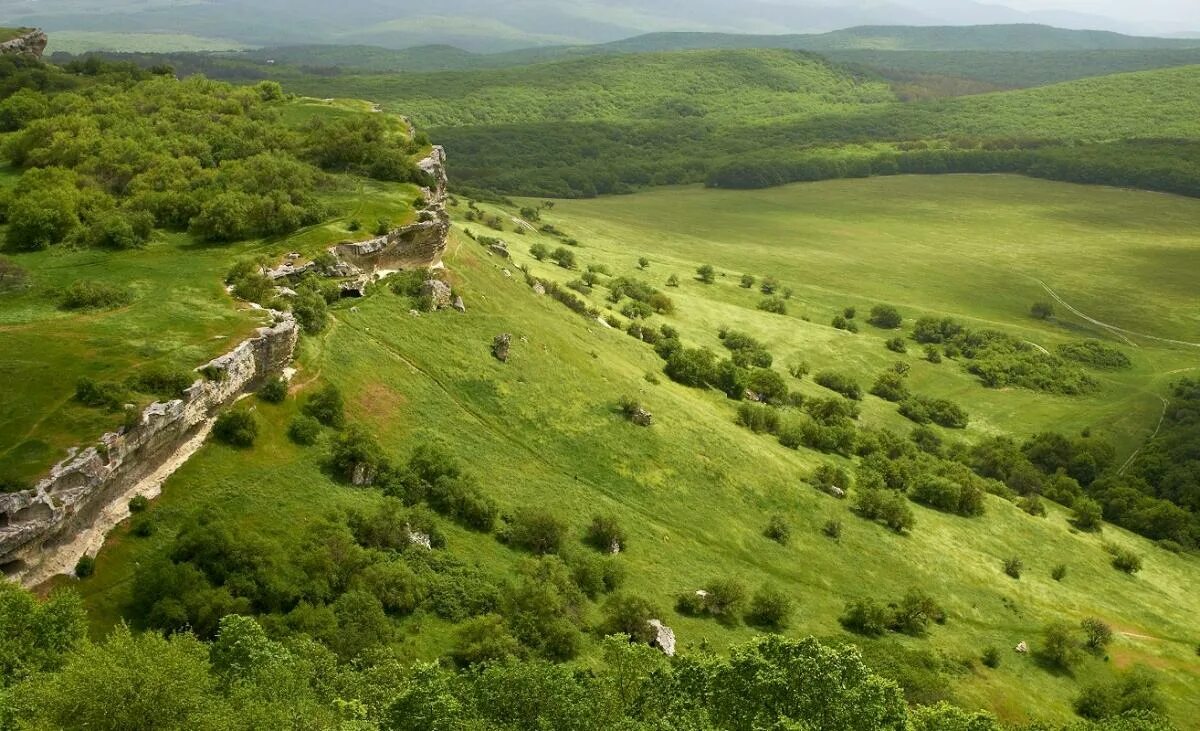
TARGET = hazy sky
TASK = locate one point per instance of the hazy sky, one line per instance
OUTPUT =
(1180, 12)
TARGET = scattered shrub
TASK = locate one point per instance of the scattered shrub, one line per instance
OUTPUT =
(630, 615)
(138, 504)
(841, 323)
(1086, 514)
(357, 456)
(798, 370)
(274, 391)
(1097, 634)
(840, 383)
(1059, 648)
(885, 317)
(933, 354)
(891, 386)
(604, 532)
(1134, 694)
(885, 506)
(942, 412)
(236, 428)
(1095, 354)
(1042, 310)
(1125, 560)
(1013, 566)
(537, 531)
(747, 281)
(832, 529)
(101, 394)
(770, 609)
(1059, 572)
(706, 273)
(991, 657)
(327, 407)
(770, 285)
(778, 529)
(673, 281)
(758, 418)
(304, 430)
(897, 345)
(866, 617)
(84, 295)
(774, 305)
(143, 527)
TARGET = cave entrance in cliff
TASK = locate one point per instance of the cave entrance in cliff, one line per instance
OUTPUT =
(12, 568)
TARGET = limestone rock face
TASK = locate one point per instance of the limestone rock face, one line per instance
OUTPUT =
(438, 292)
(417, 244)
(81, 486)
(31, 43)
(664, 637)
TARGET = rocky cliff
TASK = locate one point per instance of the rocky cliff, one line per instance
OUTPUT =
(418, 244)
(31, 42)
(37, 525)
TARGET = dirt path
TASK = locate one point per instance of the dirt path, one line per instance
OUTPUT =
(1118, 331)
(1161, 418)
(61, 559)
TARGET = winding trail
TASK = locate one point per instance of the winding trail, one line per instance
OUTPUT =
(1118, 331)
(1161, 418)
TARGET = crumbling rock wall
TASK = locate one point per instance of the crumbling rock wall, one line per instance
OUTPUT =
(417, 244)
(79, 488)
(32, 43)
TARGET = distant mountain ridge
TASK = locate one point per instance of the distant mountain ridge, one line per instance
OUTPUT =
(487, 26)
(990, 38)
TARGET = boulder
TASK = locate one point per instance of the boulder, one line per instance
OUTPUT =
(499, 249)
(1022, 647)
(614, 547)
(500, 346)
(538, 288)
(507, 273)
(364, 474)
(641, 417)
(417, 538)
(459, 304)
(836, 491)
(664, 637)
(438, 292)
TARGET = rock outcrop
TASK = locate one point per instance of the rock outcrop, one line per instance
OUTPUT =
(439, 293)
(417, 244)
(35, 522)
(500, 347)
(664, 637)
(31, 42)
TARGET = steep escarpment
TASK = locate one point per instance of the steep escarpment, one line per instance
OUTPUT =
(36, 524)
(417, 244)
(28, 41)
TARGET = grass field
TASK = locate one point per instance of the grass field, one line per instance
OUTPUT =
(695, 490)
(180, 316)
(83, 41)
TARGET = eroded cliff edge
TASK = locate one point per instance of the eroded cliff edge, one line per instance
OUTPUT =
(35, 522)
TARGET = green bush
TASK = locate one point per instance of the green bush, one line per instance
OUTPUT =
(885, 506)
(897, 345)
(538, 531)
(1097, 634)
(1086, 514)
(774, 305)
(274, 391)
(564, 257)
(1095, 354)
(1013, 566)
(304, 430)
(85, 295)
(866, 617)
(1059, 648)
(1042, 310)
(758, 418)
(991, 657)
(629, 614)
(1134, 694)
(236, 428)
(357, 456)
(101, 394)
(933, 354)
(770, 609)
(143, 527)
(1125, 560)
(832, 529)
(138, 504)
(1059, 572)
(778, 529)
(705, 273)
(163, 382)
(840, 383)
(327, 407)
(747, 281)
(891, 386)
(605, 532)
(885, 317)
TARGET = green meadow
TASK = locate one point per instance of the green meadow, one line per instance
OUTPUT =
(695, 490)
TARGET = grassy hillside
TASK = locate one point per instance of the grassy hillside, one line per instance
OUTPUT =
(1019, 69)
(672, 118)
(175, 313)
(702, 85)
(695, 491)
